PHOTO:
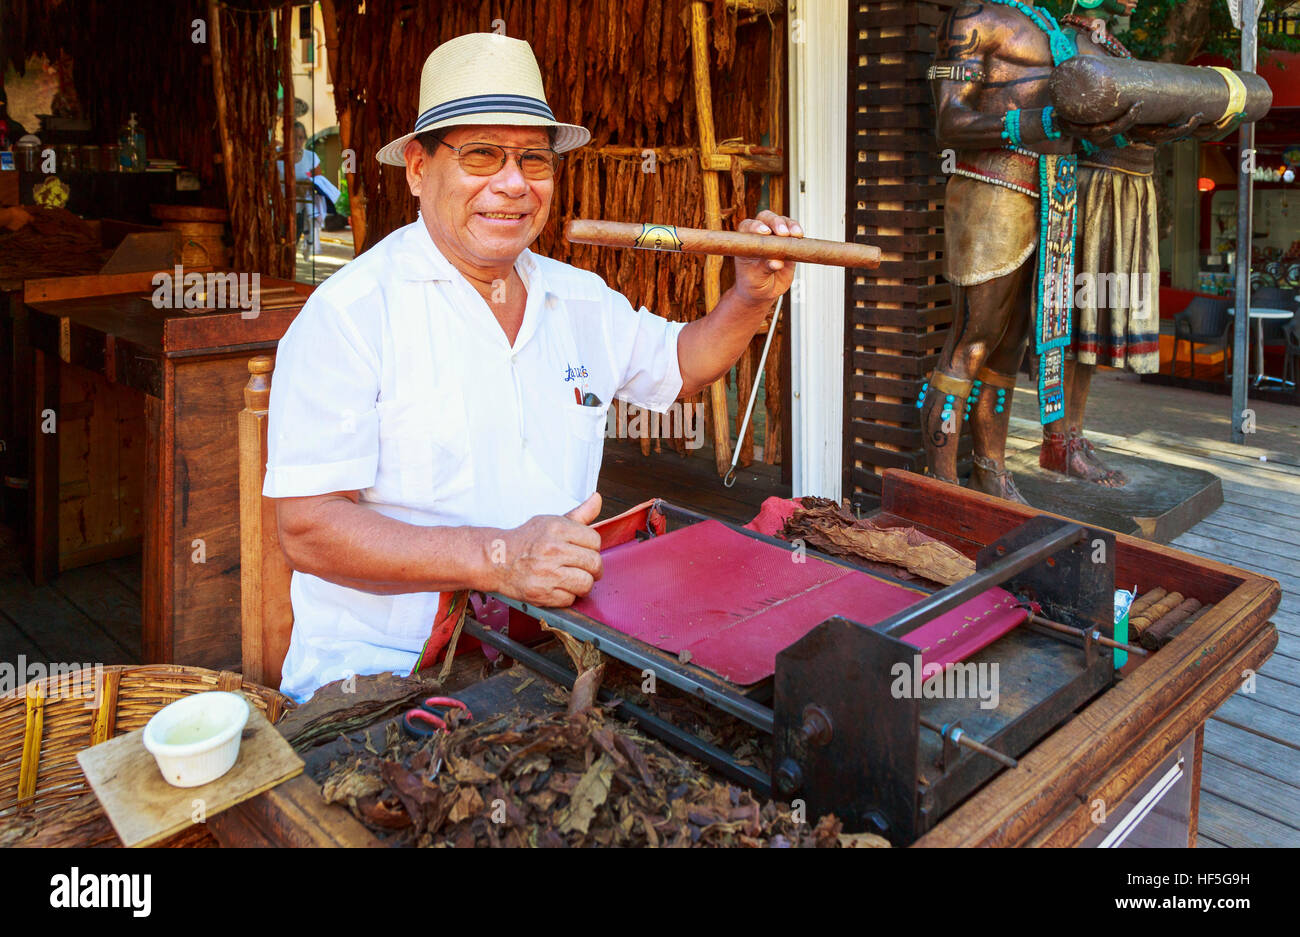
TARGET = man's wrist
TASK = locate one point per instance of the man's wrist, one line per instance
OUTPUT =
(747, 306)
(471, 558)
(491, 557)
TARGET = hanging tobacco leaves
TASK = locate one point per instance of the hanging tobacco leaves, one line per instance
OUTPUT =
(621, 68)
(54, 243)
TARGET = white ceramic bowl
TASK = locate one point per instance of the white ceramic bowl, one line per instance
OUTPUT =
(196, 739)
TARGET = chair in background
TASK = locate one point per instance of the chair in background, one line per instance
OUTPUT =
(1204, 323)
(1291, 334)
(265, 573)
(1274, 297)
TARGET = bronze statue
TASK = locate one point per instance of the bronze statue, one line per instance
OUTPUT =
(1117, 308)
(1017, 200)
(994, 108)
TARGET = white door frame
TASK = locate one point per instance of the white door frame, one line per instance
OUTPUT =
(818, 83)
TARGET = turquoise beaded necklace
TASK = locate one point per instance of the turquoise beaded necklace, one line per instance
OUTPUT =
(1062, 43)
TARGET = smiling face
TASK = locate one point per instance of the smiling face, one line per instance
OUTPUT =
(480, 223)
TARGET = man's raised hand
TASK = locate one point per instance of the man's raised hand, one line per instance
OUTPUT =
(551, 561)
(759, 280)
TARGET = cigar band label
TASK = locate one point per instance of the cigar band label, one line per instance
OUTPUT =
(658, 237)
(1236, 96)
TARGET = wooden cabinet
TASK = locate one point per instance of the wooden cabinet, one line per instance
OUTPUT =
(144, 452)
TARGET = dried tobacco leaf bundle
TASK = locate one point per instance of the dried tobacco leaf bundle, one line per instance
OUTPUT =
(55, 242)
(830, 528)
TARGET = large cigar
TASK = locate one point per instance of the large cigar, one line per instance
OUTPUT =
(663, 237)
(1187, 622)
(1143, 602)
(1091, 89)
(1158, 634)
(1154, 613)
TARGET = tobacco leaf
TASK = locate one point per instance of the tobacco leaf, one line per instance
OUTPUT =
(467, 771)
(583, 654)
(384, 814)
(585, 689)
(831, 529)
(346, 705)
(469, 803)
(424, 803)
(561, 782)
(589, 794)
(350, 784)
(863, 841)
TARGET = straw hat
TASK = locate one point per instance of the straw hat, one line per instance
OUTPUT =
(483, 78)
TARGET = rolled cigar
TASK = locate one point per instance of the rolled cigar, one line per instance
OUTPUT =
(1153, 614)
(1188, 621)
(665, 237)
(1157, 636)
(1092, 89)
(1144, 602)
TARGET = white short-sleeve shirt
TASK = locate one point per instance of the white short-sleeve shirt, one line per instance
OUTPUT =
(396, 380)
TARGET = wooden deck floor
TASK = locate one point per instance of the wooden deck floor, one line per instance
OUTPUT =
(1251, 775)
(627, 478)
(86, 615)
(1250, 783)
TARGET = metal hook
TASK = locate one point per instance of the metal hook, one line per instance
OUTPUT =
(730, 478)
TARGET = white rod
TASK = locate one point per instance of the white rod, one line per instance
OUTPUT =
(753, 392)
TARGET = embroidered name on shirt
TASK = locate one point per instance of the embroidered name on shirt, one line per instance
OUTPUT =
(574, 374)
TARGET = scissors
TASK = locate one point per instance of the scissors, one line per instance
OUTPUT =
(429, 717)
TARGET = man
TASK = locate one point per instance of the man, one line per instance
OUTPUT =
(1117, 315)
(318, 194)
(993, 107)
(438, 410)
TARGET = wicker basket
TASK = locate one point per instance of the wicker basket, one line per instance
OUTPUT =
(44, 724)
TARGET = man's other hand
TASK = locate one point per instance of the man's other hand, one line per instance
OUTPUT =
(762, 281)
(552, 561)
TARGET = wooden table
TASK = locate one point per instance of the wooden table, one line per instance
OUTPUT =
(1142, 733)
(1258, 314)
(144, 452)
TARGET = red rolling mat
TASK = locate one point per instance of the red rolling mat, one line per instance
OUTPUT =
(733, 602)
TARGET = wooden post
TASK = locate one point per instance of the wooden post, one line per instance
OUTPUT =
(356, 198)
(286, 82)
(1245, 226)
(773, 392)
(745, 363)
(712, 219)
(266, 615)
(218, 89)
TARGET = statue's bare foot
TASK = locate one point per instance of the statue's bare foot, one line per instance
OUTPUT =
(1086, 464)
(987, 477)
(1074, 456)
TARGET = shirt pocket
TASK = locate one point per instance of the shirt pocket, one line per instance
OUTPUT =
(424, 452)
(586, 447)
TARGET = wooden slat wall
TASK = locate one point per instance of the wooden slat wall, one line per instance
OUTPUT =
(898, 316)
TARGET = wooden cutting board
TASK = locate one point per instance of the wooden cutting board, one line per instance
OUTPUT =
(144, 809)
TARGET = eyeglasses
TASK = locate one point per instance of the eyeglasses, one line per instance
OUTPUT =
(488, 159)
